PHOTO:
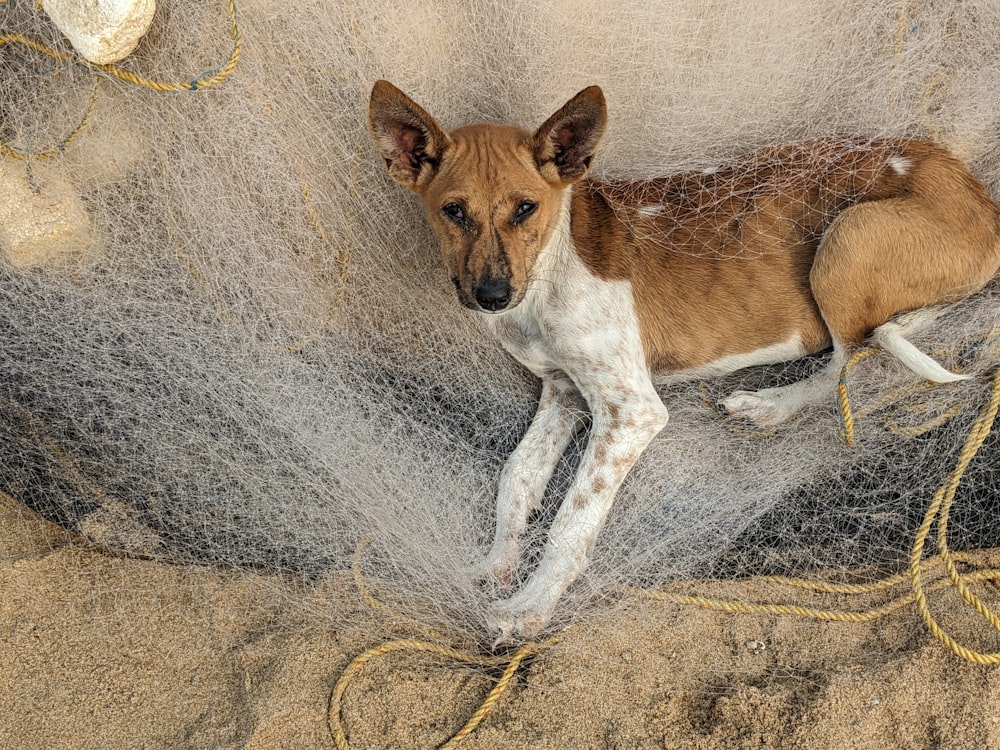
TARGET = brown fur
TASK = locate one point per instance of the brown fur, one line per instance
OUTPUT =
(492, 243)
(730, 265)
(488, 170)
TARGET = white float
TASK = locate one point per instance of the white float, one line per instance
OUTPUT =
(102, 31)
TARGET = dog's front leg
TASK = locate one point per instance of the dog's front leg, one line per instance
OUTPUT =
(529, 469)
(623, 425)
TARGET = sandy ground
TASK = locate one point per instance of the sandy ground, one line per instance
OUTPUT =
(103, 652)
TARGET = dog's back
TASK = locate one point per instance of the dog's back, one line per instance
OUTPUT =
(724, 261)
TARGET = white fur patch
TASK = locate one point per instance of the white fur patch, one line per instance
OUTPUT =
(768, 355)
(900, 165)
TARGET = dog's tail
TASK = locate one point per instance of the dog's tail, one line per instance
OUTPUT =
(892, 337)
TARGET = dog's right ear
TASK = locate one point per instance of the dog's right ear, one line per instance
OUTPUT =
(405, 135)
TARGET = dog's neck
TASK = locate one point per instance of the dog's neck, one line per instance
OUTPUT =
(554, 259)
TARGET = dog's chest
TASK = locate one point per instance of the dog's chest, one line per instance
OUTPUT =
(580, 326)
(521, 334)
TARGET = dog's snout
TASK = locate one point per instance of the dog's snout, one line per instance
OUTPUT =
(493, 294)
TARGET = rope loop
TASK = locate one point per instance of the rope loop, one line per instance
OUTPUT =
(511, 664)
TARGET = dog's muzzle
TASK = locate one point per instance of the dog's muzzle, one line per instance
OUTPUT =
(493, 294)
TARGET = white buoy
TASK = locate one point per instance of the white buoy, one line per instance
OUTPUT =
(102, 31)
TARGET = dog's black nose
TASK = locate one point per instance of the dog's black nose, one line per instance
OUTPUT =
(493, 294)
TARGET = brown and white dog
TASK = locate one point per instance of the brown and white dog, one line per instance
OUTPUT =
(603, 289)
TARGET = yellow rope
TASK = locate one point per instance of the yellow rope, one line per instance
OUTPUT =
(20, 154)
(511, 664)
(937, 512)
(814, 613)
(927, 425)
(846, 417)
(204, 80)
(849, 416)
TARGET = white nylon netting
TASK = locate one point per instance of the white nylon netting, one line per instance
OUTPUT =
(237, 344)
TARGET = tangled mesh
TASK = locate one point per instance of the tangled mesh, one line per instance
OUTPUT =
(236, 344)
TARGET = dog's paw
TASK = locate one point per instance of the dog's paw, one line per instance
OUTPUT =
(496, 577)
(497, 570)
(511, 620)
(762, 408)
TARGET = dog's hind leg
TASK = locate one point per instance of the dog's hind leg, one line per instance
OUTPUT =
(769, 407)
(873, 263)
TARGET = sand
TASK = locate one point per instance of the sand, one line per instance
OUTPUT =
(101, 651)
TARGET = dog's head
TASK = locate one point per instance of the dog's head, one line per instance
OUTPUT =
(493, 193)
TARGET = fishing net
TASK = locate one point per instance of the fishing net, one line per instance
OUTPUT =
(227, 337)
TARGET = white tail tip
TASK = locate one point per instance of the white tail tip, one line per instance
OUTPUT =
(890, 338)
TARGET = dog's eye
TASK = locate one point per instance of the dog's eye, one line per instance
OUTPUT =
(524, 210)
(454, 212)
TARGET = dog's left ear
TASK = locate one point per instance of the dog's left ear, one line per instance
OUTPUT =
(408, 138)
(564, 146)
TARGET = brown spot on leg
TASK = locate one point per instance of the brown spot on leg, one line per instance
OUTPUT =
(623, 464)
(614, 412)
(600, 452)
